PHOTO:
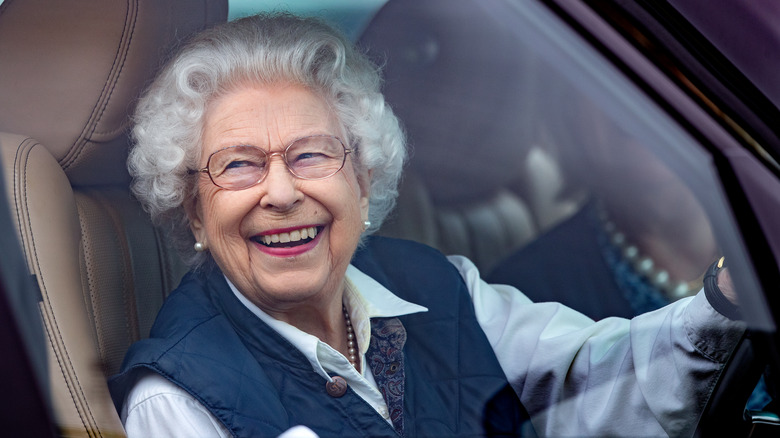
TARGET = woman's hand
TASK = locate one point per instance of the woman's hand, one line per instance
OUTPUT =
(719, 288)
(726, 286)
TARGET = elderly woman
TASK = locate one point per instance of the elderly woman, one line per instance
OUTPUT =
(268, 147)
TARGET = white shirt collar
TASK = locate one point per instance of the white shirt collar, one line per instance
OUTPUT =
(378, 301)
(364, 297)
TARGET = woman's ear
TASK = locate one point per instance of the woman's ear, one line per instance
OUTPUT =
(192, 209)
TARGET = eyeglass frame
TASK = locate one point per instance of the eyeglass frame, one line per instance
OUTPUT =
(268, 156)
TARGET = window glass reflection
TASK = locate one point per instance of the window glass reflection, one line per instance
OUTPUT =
(639, 237)
(540, 161)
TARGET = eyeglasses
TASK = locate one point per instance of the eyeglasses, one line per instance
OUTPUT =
(310, 158)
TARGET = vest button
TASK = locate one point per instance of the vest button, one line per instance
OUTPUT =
(336, 387)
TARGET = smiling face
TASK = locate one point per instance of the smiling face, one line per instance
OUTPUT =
(285, 242)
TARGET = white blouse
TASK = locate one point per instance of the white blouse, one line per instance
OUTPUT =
(646, 376)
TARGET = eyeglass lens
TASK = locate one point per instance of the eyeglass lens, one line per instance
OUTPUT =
(240, 167)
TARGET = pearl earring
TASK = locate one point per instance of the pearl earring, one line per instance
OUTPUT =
(199, 247)
(366, 224)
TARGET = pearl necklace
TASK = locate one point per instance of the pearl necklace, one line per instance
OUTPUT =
(646, 266)
(352, 351)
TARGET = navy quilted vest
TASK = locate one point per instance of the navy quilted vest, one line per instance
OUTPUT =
(257, 384)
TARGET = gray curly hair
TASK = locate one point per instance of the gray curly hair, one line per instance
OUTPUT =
(262, 49)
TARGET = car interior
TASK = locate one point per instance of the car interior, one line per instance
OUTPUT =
(479, 183)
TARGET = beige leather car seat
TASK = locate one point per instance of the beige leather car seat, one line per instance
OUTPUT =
(70, 73)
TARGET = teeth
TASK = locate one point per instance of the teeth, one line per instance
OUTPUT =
(292, 236)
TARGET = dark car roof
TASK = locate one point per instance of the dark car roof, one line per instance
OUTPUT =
(755, 52)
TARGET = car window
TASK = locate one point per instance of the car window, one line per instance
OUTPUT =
(551, 168)
(532, 154)
(522, 132)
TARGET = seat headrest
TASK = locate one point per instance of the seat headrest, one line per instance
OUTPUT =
(457, 78)
(71, 71)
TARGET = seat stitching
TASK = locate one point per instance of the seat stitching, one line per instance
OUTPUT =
(115, 73)
(17, 201)
(100, 105)
(54, 325)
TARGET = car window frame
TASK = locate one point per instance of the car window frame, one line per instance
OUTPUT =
(748, 172)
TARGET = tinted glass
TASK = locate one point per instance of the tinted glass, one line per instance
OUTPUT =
(545, 164)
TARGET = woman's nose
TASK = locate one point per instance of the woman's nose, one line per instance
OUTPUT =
(281, 188)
